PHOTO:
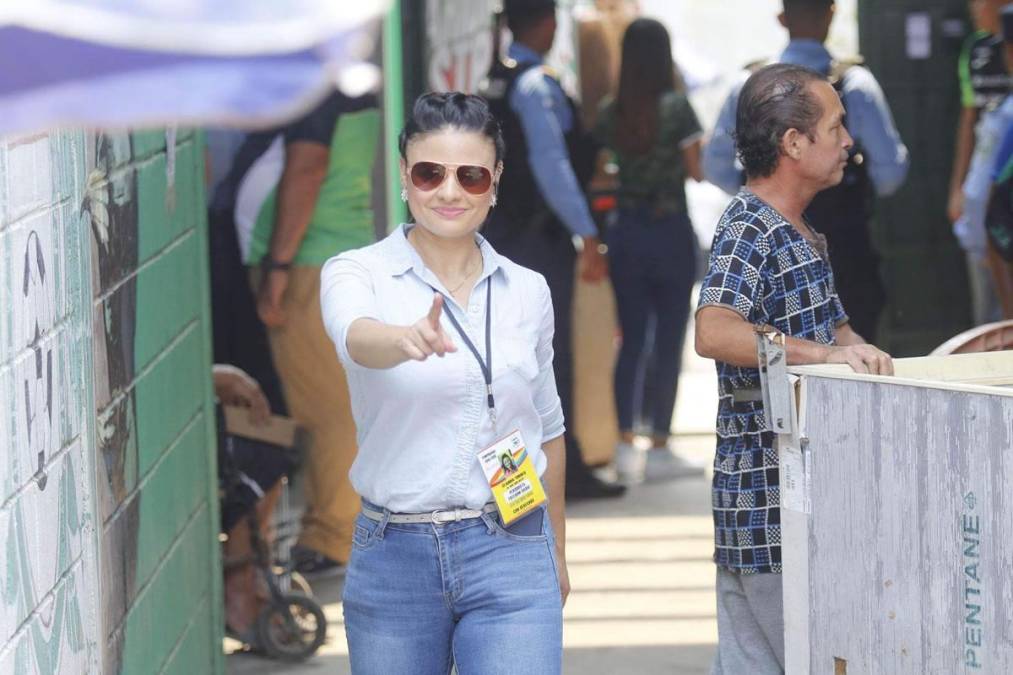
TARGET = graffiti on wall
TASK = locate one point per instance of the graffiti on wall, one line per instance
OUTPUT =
(37, 296)
(111, 205)
(38, 382)
(459, 39)
(71, 511)
(47, 549)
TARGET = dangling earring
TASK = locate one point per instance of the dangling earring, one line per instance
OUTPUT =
(492, 202)
(404, 194)
(495, 197)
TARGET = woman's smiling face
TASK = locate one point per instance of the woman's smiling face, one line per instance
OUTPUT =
(448, 210)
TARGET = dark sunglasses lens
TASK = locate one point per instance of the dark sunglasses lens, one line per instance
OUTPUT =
(428, 175)
(474, 179)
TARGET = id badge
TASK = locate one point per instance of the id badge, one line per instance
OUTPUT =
(512, 477)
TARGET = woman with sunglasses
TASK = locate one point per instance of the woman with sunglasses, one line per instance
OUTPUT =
(448, 350)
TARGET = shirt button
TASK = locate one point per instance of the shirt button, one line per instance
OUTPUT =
(474, 309)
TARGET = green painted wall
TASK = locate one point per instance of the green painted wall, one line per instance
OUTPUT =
(108, 516)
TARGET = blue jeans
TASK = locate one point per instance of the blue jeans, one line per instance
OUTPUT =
(652, 262)
(421, 597)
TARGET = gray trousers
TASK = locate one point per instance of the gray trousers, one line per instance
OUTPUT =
(750, 624)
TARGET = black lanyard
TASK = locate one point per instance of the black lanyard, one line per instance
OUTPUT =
(485, 365)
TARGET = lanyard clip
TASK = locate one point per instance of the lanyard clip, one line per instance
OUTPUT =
(492, 404)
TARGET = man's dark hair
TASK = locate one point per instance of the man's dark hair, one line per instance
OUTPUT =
(522, 14)
(451, 110)
(811, 7)
(773, 100)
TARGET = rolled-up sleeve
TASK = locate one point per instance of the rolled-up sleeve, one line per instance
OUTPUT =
(546, 396)
(346, 294)
(737, 266)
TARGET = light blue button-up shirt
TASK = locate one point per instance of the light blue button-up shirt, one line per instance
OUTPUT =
(869, 122)
(540, 103)
(421, 424)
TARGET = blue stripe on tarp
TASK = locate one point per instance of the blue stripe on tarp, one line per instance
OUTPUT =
(32, 59)
(235, 93)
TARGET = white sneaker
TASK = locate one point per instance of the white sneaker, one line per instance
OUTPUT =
(630, 463)
(662, 464)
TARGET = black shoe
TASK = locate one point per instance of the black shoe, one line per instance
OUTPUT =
(592, 487)
(313, 565)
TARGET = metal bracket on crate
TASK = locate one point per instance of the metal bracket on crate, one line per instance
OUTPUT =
(778, 408)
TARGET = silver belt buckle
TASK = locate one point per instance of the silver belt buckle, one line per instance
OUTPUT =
(443, 517)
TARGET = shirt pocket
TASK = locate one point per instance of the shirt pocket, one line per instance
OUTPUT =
(517, 356)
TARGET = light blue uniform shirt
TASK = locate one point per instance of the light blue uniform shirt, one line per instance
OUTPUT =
(546, 118)
(420, 425)
(869, 122)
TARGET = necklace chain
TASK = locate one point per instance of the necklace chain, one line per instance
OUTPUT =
(465, 279)
(466, 276)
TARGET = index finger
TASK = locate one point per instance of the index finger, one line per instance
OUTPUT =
(435, 311)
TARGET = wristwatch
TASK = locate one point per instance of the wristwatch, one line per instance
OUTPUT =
(269, 264)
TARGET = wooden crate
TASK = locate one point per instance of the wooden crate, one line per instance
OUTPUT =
(897, 518)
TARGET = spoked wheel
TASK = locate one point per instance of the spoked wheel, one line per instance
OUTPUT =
(293, 629)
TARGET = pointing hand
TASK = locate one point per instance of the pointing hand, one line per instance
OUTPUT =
(426, 336)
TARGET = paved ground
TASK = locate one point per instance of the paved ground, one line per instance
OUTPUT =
(643, 583)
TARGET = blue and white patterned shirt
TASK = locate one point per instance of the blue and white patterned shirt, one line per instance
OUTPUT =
(761, 267)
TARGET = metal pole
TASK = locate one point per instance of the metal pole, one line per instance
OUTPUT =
(393, 112)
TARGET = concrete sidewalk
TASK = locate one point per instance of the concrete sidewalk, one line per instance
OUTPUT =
(640, 568)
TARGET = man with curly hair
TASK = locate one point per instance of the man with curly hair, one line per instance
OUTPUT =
(769, 268)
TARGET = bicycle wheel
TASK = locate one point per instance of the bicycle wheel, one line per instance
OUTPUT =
(292, 630)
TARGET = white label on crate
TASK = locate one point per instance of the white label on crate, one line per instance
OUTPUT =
(793, 481)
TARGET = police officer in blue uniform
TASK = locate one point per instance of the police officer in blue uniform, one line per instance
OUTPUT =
(541, 203)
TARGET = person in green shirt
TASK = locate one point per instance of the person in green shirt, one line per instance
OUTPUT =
(305, 197)
(984, 83)
(654, 136)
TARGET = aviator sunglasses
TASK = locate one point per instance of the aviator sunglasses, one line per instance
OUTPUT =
(473, 179)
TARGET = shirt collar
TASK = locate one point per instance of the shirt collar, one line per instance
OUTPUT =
(403, 256)
(523, 54)
(809, 53)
